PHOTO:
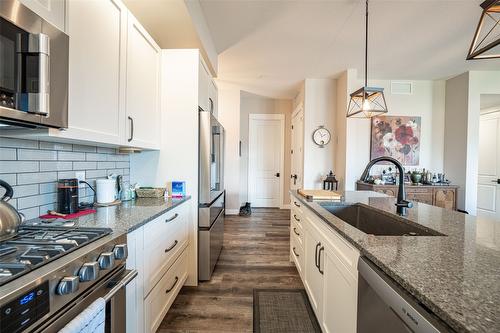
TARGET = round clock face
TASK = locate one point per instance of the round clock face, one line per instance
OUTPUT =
(321, 136)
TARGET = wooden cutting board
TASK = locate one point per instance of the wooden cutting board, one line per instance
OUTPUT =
(320, 194)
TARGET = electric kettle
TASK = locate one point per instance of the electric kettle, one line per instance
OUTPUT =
(10, 218)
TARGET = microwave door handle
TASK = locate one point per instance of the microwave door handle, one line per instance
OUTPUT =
(122, 283)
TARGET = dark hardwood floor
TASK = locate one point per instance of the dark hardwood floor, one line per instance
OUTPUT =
(255, 255)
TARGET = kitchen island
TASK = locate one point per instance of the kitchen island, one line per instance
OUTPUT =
(456, 277)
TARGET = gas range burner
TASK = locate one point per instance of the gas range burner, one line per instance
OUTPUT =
(34, 246)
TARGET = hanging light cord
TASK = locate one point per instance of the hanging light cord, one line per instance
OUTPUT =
(366, 46)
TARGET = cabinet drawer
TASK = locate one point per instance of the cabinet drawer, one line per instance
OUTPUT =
(164, 239)
(297, 253)
(424, 197)
(163, 294)
(296, 216)
(297, 232)
(296, 204)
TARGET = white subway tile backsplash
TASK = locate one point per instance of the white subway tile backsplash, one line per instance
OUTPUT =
(7, 154)
(17, 143)
(25, 190)
(36, 177)
(33, 168)
(71, 156)
(36, 155)
(84, 149)
(30, 213)
(56, 166)
(18, 166)
(84, 165)
(55, 146)
(96, 157)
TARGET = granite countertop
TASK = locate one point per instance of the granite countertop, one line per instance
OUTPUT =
(456, 276)
(127, 216)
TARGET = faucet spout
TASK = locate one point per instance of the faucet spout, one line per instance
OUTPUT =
(402, 204)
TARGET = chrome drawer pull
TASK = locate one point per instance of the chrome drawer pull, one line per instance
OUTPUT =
(319, 260)
(173, 286)
(171, 247)
(295, 231)
(296, 204)
(293, 249)
(296, 218)
(172, 218)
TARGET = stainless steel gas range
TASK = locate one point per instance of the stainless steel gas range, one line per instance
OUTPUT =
(48, 275)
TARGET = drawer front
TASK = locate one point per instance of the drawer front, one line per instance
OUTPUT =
(164, 239)
(297, 253)
(297, 232)
(424, 197)
(163, 294)
(296, 216)
(296, 204)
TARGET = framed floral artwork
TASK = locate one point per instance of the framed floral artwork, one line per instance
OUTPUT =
(397, 137)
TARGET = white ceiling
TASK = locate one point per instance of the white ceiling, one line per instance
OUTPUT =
(269, 47)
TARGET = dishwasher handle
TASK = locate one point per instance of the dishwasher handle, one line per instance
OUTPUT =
(412, 314)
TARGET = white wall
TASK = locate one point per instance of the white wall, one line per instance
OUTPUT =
(319, 110)
(255, 104)
(229, 117)
(426, 101)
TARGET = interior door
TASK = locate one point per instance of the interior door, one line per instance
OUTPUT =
(488, 189)
(296, 179)
(265, 156)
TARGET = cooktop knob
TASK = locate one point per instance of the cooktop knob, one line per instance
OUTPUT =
(89, 271)
(106, 260)
(120, 251)
(67, 285)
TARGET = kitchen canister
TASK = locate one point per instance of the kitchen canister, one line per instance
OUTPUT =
(106, 190)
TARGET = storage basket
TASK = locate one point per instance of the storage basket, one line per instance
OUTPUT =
(150, 192)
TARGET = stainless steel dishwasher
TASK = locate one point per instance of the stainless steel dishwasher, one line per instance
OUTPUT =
(383, 306)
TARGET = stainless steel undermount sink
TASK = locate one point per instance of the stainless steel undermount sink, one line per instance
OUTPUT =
(375, 222)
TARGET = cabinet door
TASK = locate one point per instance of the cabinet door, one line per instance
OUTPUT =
(203, 84)
(339, 297)
(143, 87)
(212, 98)
(97, 32)
(313, 278)
(53, 11)
(444, 198)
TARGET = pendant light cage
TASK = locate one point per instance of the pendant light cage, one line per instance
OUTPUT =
(486, 41)
(367, 102)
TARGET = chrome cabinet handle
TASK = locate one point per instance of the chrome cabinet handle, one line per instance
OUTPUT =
(131, 129)
(316, 255)
(293, 249)
(296, 218)
(172, 218)
(171, 247)
(319, 260)
(173, 286)
(296, 204)
(295, 232)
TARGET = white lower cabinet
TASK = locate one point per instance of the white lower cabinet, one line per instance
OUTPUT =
(329, 272)
(158, 251)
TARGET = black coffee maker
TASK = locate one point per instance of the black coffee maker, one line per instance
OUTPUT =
(67, 196)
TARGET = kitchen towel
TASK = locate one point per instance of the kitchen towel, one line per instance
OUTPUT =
(70, 216)
(91, 320)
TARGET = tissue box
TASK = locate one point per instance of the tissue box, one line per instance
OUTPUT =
(177, 189)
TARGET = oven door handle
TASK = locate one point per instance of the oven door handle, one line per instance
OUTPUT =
(122, 283)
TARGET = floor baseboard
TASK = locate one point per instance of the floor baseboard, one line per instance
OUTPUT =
(232, 211)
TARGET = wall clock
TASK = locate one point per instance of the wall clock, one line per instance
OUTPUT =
(321, 136)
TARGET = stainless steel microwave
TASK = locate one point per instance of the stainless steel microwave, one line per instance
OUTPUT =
(33, 69)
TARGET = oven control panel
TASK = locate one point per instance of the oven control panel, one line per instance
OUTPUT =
(25, 310)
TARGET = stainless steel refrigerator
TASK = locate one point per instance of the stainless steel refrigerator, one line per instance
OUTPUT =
(211, 209)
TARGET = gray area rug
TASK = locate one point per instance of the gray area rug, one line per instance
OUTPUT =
(283, 310)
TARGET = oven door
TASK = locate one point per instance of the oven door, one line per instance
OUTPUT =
(112, 289)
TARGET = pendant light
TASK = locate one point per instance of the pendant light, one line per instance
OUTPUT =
(366, 102)
(487, 35)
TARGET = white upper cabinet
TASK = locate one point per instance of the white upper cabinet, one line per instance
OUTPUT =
(203, 86)
(97, 56)
(53, 11)
(143, 88)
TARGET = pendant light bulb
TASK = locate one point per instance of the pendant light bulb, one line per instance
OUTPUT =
(366, 105)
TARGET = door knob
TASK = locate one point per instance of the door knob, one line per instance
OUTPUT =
(277, 174)
(496, 181)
